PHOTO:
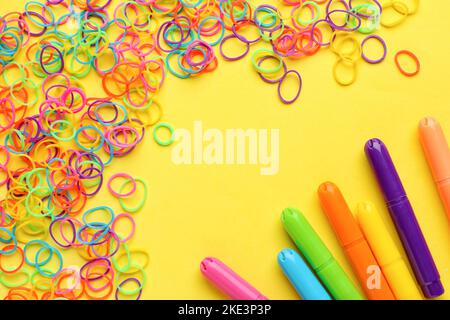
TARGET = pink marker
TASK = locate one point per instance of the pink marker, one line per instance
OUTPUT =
(228, 281)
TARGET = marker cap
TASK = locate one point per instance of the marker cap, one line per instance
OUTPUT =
(436, 148)
(301, 277)
(384, 169)
(339, 214)
(228, 281)
(305, 238)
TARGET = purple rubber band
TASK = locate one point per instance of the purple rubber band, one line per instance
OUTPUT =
(115, 237)
(95, 106)
(93, 261)
(383, 43)
(242, 38)
(300, 84)
(61, 59)
(342, 28)
(44, 21)
(233, 58)
(125, 281)
(163, 28)
(347, 7)
(322, 44)
(50, 229)
(376, 2)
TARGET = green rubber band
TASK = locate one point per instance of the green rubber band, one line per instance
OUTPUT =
(375, 23)
(72, 71)
(88, 183)
(39, 207)
(85, 42)
(142, 282)
(268, 53)
(115, 260)
(313, 19)
(36, 69)
(33, 281)
(140, 204)
(125, 5)
(21, 69)
(32, 86)
(64, 122)
(19, 135)
(10, 284)
(158, 140)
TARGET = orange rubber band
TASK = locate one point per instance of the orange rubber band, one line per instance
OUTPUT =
(412, 56)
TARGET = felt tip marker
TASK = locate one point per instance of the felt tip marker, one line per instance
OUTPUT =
(437, 154)
(404, 219)
(227, 281)
(301, 277)
(318, 256)
(386, 252)
(353, 242)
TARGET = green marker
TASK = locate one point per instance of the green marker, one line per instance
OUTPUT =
(319, 257)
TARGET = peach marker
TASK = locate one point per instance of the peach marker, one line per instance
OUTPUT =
(437, 153)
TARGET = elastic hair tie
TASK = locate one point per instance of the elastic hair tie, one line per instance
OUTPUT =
(243, 23)
(128, 178)
(15, 249)
(315, 10)
(313, 28)
(206, 34)
(383, 43)
(137, 207)
(300, 84)
(171, 130)
(342, 27)
(347, 62)
(230, 36)
(401, 8)
(18, 283)
(266, 79)
(266, 52)
(413, 57)
(121, 284)
(133, 226)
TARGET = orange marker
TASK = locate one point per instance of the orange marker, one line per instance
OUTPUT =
(438, 156)
(355, 245)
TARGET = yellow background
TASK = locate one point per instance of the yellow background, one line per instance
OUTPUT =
(233, 213)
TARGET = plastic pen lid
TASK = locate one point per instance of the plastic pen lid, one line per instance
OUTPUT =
(436, 148)
(339, 214)
(385, 171)
(305, 238)
(228, 281)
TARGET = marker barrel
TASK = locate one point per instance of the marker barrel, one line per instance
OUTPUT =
(392, 264)
(404, 219)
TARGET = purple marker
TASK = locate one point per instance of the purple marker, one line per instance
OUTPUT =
(404, 219)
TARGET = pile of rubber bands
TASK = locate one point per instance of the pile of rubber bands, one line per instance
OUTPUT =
(58, 140)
